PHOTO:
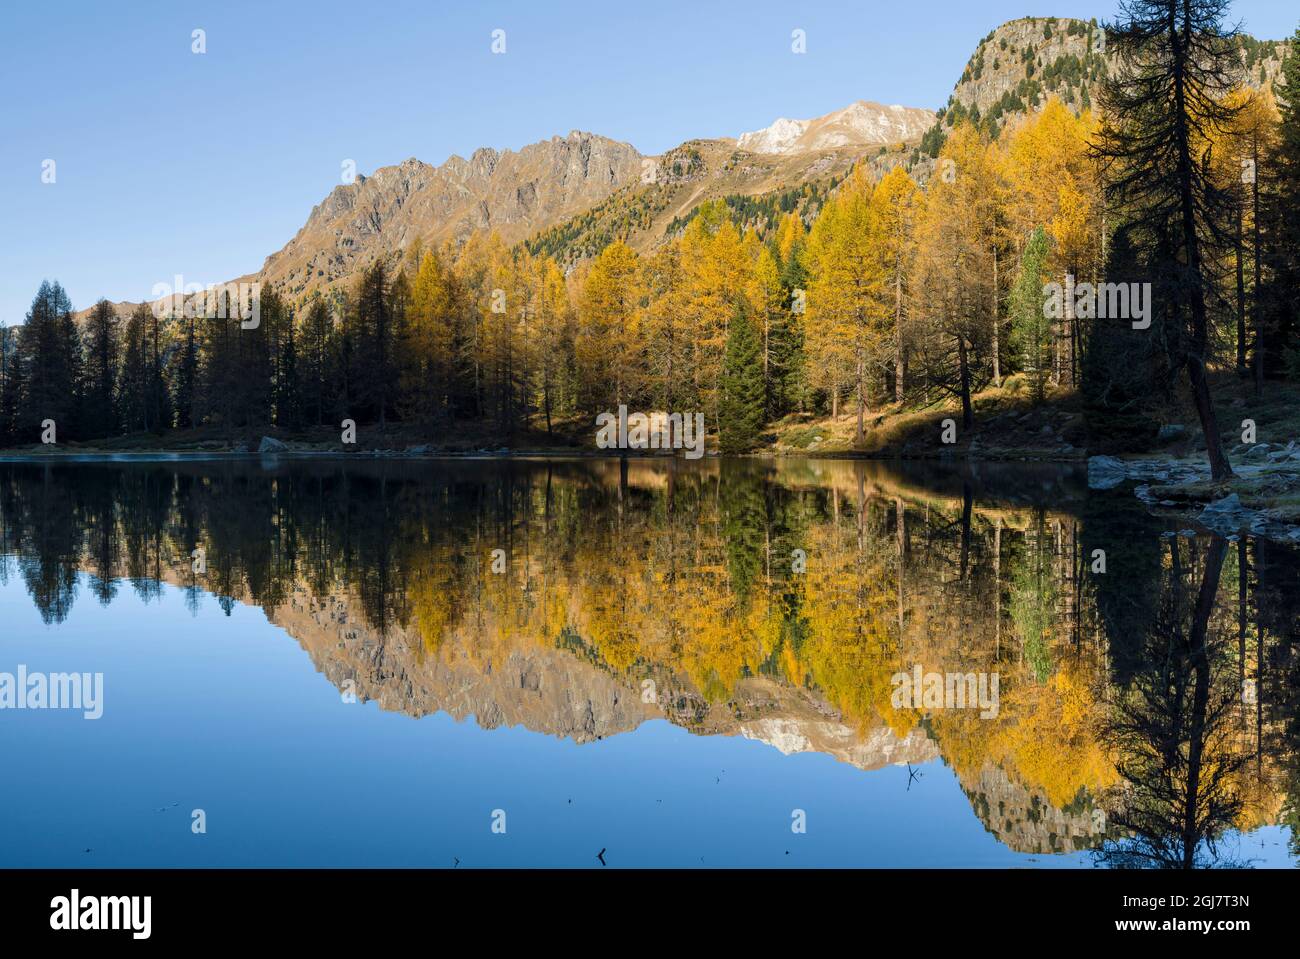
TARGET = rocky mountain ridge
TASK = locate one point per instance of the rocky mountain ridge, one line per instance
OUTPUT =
(1021, 63)
(514, 193)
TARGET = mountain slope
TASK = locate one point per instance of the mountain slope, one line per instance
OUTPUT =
(513, 193)
(643, 214)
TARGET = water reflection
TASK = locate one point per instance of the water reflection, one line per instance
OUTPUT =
(1146, 711)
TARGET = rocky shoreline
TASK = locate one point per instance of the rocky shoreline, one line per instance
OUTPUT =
(1261, 499)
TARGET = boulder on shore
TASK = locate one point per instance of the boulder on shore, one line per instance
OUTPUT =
(1106, 472)
(1229, 504)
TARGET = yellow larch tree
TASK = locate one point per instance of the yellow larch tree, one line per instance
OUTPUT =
(844, 333)
(896, 202)
(608, 329)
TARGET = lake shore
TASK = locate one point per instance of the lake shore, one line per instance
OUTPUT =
(1262, 498)
(1172, 479)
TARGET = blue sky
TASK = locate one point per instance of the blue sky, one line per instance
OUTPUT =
(170, 162)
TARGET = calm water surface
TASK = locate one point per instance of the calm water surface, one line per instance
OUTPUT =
(523, 663)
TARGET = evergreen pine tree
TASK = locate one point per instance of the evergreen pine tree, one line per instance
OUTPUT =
(740, 411)
(1281, 221)
(157, 395)
(185, 377)
(133, 382)
(788, 382)
(1124, 368)
(1031, 329)
(49, 369)
(374, 366)
(316, 341)
(11, 386)
(102, 348)
(217, 399)
(288, 388)
(73, 358)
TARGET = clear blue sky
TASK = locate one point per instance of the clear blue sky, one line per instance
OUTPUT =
(170, 162)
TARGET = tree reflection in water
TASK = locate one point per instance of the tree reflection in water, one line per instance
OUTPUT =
(1147, 712)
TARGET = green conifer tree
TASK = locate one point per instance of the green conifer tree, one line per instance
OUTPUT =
(740, 412)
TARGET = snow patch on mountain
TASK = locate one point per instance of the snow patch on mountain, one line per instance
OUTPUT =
(861, 124)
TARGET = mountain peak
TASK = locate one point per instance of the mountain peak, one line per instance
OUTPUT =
(860, 124)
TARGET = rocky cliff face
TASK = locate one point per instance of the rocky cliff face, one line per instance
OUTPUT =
(543, 689)
(513, 193)
(1023, 62)
(1025, 822)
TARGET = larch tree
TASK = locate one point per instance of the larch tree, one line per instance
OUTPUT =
(1053, 183)
(606, 345)
(772, 312)
(553, 338)
(1175, 62)
(843, 327)
(956, 242)
(667, 330)
(717, 281)
(896, 202)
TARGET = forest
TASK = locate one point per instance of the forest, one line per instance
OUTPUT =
(916, 290)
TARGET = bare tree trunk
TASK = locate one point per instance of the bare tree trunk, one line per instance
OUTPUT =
(967, 412)
(1200, 696)
(1259, 316)
(1241, 293)
(898, 332)
(900, 521)
(997, 590)
(862, 397)
(997, 369)
(1197, 356)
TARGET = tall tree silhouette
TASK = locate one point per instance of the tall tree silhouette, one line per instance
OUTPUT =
(102, 351)
(49, 351)
(1175, 62)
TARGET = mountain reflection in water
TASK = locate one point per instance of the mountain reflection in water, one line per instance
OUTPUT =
(1147, 713)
